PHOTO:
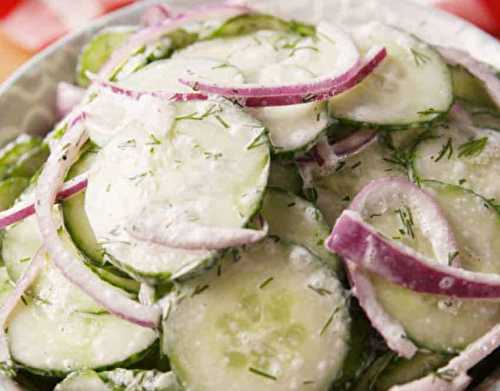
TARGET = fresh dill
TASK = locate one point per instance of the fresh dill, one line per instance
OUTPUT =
(262, 373)
(447, 374)
(406, 218)
(451, 257)
(355, 165)
(328, 321)
(320, 291)
(128, 144)
(199, 289)
(222, 121)
(154, 140)
(431, 111)
(419, 57)
(195, 116)
(259, 140)
(340, 166)
(266, 282)
(446, 150)
(212, 155)
(473, 147)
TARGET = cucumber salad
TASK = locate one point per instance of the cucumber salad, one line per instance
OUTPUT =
(234, 201)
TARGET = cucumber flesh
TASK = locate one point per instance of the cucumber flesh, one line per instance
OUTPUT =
(461, 157)
(276, 57)
(30, 162)
(95, 54)
(296, 220)
(275, 319)
(336, 190)
(11, 154)
(285, 175)
(468, 88)
(195, 161)
(72, 331)
(119, 380)
(10, 190)
(75, 217)
(412, 86)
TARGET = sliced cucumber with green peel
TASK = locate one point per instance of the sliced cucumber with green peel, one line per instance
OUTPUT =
(280, 57)
(72, 331)
(10, 190)
(275, 319)
(12, 153)
(411, 87)
(440, 323)
(194, 163)
(30, 162)
(250, 23)
(95, 54)
(119, 380)
(462, 157)
(296, 220)
(285, 175)
(468, 88)
(389, 370)
(335, 191)
(75, 217)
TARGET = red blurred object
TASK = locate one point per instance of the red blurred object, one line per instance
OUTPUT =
(34, 24)
(483, 13)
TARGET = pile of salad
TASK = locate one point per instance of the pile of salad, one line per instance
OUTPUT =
(234, 201)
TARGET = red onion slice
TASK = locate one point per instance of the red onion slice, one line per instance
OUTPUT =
(189, 236)
(323, 89)
(390, 329)
(156, 14)
(153, 33)
(67, 97)
(482, 71)
(22, 285)
(60, 159)
(25, 209)
(361, 244)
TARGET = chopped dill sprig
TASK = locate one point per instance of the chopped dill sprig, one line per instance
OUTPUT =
(406, 218)
(473, 147)
(419, 57)
(266, 282)
(262, 373)
(446, 150)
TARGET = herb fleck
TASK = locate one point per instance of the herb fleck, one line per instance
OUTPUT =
(320, 291)
(262, 373)
(419, 57)
(446, 150)
(199, 289)
(266, 282)
(473, 147)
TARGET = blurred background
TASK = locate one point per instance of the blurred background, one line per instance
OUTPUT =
(28, 26)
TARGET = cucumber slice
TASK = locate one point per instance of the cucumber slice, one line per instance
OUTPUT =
(72, 331)
(251, 23)
(389, 370)
(464, 157)
(297, 220)
(30, 162)
(10, 190)
(412, 86)
(99, 50)
(468, 88)
(275, 319)
(198, 164)
(335, 192)
(119, 380)
(439, 323)
(285, 175)
(277, 57)
(75, 217)
(11, 154)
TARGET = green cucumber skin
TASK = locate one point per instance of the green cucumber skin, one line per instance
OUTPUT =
(122, 364)
(98, 50)
(246, 24)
